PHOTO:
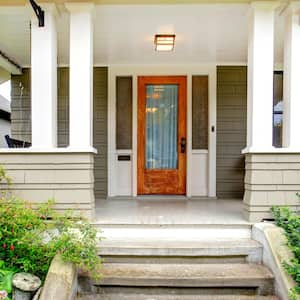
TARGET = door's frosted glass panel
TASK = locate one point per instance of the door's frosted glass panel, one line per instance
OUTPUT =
(161, 126)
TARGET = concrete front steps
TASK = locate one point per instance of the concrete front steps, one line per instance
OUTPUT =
(179, 262)
(133, 296)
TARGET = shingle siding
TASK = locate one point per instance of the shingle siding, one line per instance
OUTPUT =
(21, 117)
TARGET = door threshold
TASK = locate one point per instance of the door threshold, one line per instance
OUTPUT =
(151, 198)
(162, 197)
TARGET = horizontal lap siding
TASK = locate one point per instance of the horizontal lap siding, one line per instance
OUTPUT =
(21, 106)
(231, 130)
(21, 117)
(100, 131)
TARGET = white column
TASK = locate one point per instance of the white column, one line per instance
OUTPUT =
(291, 119)
(260, 76)
(81, 75)
(44, 80)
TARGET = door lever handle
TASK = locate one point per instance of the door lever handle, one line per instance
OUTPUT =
(183, 144)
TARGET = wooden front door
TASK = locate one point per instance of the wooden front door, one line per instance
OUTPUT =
(162, 135)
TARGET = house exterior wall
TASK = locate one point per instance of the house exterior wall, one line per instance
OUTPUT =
(231, 83)
(21, 117)
(231, 130)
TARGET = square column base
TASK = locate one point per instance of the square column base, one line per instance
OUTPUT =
(65, 177)
(271, 179)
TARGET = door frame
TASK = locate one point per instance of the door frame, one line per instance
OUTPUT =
(181, 171)
(130, 170)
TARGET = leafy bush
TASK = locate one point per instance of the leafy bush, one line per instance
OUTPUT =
(30, 238)
(290, 222)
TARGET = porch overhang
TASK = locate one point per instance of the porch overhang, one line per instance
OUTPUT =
(122, 2)
(9, 65)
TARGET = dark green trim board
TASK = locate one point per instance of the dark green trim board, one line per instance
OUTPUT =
(231, 130)
(21, 117)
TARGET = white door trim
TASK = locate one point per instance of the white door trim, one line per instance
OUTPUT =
(139, 70)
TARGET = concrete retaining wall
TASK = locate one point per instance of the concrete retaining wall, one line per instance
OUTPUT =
(61, 281)
(275, 252)
(271, 179)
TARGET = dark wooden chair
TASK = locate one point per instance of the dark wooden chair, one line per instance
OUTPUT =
(14, 143)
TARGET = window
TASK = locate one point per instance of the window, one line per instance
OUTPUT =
(277, 109)
(200, 112)
(124, 112)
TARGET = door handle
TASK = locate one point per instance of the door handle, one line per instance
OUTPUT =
(183, 144)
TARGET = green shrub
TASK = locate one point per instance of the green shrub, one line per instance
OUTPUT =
(30, 238)
(290, 222)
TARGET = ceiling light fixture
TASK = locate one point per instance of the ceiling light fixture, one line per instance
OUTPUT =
(164, 42)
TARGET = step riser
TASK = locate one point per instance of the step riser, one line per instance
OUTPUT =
(230, 249)
(165, 291)
(182, 252)
(172, 297)
(175, 260)
(170, 255)
(263, 287)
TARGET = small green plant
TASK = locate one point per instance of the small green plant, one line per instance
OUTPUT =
(290, 222)
(31, 236)
(5, 282)
(5, 181)
(3, 177)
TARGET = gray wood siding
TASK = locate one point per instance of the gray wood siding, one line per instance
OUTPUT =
(100, 131)
(21, 117)
(21, 106)
(231, 130)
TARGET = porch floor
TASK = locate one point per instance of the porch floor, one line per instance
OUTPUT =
(169, 211)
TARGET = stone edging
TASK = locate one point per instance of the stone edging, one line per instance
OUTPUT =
(61, 281)
(275, 252)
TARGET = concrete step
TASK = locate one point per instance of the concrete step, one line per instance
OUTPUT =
(205, 251)
(173, 297)
(197, 232)
(251, 276)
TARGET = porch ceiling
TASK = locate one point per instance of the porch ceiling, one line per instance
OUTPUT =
(124, 33)
(23, 2)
